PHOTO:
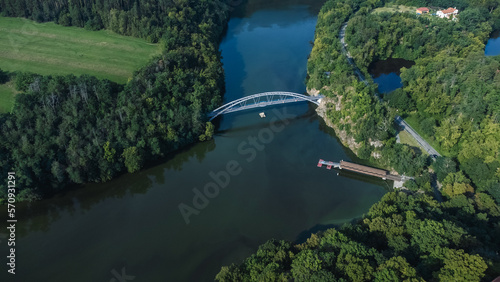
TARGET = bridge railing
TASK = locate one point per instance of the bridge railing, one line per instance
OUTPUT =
(272, 99)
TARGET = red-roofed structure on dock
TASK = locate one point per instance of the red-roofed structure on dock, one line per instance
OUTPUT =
(363, 169)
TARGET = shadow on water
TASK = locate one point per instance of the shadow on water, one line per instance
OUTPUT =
(386, 73)
(387, 184)
(310, 115)
(351, 155)
(304, 235)
(232, 59)
(391, 65)
(248, 7)
(492, 47)
(135, 220)
(222, 252)
(83, 197)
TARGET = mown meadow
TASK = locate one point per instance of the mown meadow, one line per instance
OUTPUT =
(51, 49)
(48, 48)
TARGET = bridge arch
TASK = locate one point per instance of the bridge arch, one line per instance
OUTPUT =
(260, 100)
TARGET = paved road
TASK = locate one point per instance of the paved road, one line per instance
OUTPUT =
(420, 140)
(399, 120)
(348, 55)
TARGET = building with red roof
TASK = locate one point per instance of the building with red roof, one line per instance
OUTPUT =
(422, 10)
(450, 12)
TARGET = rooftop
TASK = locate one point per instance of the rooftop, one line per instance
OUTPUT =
(449, 10)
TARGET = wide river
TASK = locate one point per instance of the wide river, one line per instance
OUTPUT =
(132, 226)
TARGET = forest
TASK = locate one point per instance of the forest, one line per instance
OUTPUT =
(450, 107)
(448, 232)
(361, 116)
(70, 50)
(66, 130)
(401, 238)
(373, 37)
(452, 91)
(148, 19)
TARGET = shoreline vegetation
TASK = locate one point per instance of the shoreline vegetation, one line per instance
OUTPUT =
(66, 130)
(51, 49)
(407, 235)
(61, 126)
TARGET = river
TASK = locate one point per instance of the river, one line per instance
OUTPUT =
(133, 225)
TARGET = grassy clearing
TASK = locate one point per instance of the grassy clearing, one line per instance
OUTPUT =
(7, 93)
(395, 9)
(48, 48)
(406, 138)
(413, 122)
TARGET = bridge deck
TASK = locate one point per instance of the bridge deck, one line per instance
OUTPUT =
(263, 100)
(329, 165)
(384, 174)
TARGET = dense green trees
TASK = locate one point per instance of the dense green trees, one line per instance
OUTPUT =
(410, 238)
(464, 104)
(360, 115)
(67, 129)
(373, 37)
(358, 112)
(453, 91)
(145, 19)
(3, 77)
(460, 4)
(459, 107)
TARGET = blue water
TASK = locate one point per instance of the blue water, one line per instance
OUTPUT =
(133, 223)
(388, 82)
(493, 45)
(386, 73)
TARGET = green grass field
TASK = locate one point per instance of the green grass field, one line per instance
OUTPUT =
(407, 139)
(394, 9)
(413, 122)
(7, 92)
(48, 48)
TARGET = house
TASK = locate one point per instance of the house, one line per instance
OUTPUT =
(422, 10)
(448, 13)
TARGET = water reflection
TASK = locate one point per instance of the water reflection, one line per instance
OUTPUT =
(77, 201)
(386, 73)
(134, 220)
(493, 45)
(248, 7)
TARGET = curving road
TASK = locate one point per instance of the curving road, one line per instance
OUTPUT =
(348, 55)
(399, 120)
(406, 127)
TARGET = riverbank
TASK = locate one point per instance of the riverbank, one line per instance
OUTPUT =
(409, 234)
(435, 92)
(66, 130)
(335, 104)
(363, 121)
(278, 193)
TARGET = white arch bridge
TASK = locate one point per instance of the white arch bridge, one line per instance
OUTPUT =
(263, 100)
